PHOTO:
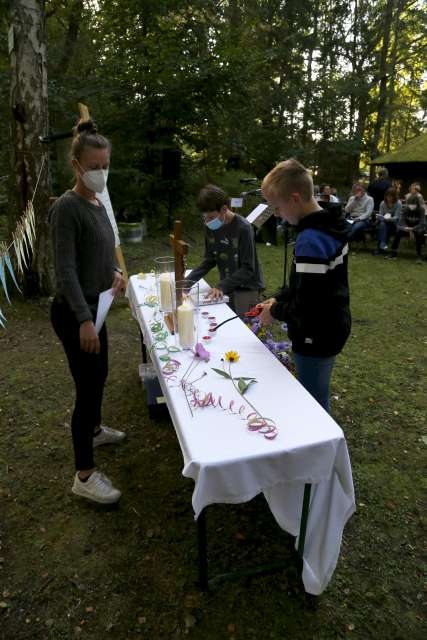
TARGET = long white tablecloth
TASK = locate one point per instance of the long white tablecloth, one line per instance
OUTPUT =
(230, 464)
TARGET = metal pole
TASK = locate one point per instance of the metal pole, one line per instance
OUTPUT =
(202, 551)
(304, 518)
(143, 347)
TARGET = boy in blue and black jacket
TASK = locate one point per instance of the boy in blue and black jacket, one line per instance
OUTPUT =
(315, 305)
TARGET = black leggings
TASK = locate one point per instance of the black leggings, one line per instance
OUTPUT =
(89, 371)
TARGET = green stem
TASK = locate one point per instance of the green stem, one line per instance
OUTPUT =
(241, 394)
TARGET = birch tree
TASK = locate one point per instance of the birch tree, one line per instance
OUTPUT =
(29, 122)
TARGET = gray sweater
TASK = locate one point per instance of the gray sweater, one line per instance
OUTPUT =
(360, 208)
(232, 249)
(395, 211)
(83, 252)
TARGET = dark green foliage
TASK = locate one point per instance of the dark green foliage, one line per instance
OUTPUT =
(237, 85)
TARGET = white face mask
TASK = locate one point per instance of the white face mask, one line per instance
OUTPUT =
(95, 179)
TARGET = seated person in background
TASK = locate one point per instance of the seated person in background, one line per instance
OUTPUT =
(359, 210)
(328, 201)
(397, 184)
(378, 187)
(412, 224)
(415, 190)
(388, 217)
(326, 194)
(229, 245)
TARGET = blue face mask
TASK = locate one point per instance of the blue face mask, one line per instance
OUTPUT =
(214, 224)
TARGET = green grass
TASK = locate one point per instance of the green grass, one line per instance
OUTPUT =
(71, 570)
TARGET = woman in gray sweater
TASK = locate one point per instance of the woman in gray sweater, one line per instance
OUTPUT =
(83, 249)
(388, 217)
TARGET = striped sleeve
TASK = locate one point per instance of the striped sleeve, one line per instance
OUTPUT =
(318, 253)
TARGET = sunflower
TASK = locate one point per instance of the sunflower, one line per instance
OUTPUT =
(232, 356)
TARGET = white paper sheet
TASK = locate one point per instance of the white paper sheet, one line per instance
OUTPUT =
(105, 301)
(104, 197)
(256, 212)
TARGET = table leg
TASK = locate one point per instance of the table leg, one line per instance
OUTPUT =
(143, 347)
(304, 518)
(202, 551)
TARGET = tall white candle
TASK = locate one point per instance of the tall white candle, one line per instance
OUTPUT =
(165, 292)
(185, 315)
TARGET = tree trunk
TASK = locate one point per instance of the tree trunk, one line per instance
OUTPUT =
(29, 110)
(392, 81)
(308, 100)
(75, 10)
(383, 68)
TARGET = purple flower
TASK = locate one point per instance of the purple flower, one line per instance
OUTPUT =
(201, 352)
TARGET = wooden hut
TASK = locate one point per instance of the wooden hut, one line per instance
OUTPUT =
(408, 163)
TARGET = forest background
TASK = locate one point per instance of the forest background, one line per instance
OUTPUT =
(216, 90)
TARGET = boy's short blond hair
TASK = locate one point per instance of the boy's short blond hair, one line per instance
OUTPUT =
(287, 177)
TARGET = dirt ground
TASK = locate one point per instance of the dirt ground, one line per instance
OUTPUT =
(69, 569)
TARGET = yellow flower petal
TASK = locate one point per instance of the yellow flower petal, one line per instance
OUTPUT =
(232, 356)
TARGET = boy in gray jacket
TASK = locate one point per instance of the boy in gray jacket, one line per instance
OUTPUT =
(229, 245)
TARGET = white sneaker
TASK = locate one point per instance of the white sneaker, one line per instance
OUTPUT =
(98, 488)
(108, 436)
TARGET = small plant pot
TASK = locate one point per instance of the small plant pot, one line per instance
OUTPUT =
(131, 232)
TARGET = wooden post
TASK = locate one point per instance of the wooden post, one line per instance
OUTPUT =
(180, 249)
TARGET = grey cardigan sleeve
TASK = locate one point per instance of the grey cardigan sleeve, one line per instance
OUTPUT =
(66, 227)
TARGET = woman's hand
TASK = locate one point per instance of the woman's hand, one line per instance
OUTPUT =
(118, 283)
(89, 340)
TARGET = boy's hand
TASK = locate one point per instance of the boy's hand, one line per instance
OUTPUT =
(214, 294)
(269, 301)
(265, 316)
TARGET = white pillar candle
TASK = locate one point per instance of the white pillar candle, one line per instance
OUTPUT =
(165, 292)
(185, 315)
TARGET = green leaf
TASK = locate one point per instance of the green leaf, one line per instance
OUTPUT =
(244, 386)
(221, 373)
